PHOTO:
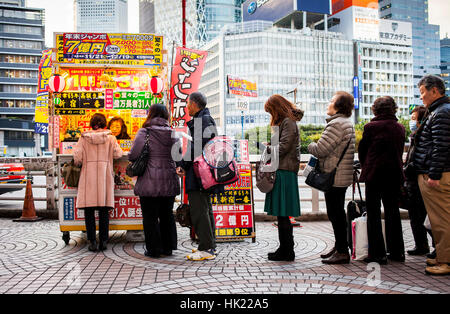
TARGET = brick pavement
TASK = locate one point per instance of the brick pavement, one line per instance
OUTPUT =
(34, 259)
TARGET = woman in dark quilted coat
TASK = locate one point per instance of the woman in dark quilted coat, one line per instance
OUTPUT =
(380, 153)
(160, 184)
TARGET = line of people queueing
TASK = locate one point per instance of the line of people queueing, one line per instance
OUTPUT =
(426, 177)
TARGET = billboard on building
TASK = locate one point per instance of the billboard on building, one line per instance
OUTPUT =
(359, 19)
(316, 6)
(241, 87)
(395, 32)
(275, 10)
(340, 5)
(266, 10)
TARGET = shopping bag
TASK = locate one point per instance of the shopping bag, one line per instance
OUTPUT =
(360, 239)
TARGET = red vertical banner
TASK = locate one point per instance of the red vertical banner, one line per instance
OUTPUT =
(186, 75)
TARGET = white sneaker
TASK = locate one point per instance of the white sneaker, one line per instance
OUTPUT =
(201, 256)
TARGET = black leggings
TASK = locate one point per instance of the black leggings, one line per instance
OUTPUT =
(158, 220)
(103, 225)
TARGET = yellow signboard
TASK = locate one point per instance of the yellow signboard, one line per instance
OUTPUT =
(102, 48)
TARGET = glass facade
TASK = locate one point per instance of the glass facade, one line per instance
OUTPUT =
(278, 60)
(425, 36)
(219, 13)
(101, 16)
(445, 63)
(386, 70)
(21, 45)
(205, 19)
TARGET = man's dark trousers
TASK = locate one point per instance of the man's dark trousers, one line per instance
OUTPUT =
(203, 219)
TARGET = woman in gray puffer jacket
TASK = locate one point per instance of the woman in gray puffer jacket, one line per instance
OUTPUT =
(160, 184)
(338, 133)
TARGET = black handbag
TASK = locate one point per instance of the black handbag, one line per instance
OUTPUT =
(355, 209)
(137, 168)
(183, 215)
(323, 181)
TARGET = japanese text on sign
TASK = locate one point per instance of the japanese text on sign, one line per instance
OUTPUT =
(186, 76)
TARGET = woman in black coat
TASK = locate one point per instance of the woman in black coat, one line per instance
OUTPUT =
(380, 153)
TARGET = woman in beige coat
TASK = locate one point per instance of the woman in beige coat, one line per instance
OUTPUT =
(95, 151)
(337, 136)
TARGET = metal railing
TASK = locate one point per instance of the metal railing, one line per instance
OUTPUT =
(46, 167)
(316, 196)
(34, 166)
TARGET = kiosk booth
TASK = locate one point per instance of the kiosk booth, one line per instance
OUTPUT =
(120, 76)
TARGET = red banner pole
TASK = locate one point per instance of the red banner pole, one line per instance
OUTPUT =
(183, 5)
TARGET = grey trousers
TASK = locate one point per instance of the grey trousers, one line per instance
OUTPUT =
(203, 219)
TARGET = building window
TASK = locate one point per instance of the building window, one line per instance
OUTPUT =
(18, 135)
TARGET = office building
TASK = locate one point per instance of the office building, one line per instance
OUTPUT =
(21, 43)
(204, 20)
(146, 17)
(101, 16)
(425, 37)
(383, 55)
(445, 63)
(279, 60)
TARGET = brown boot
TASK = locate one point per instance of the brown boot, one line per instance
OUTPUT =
(338, 258)
(328, 255)
(438, 270)
(431, 262)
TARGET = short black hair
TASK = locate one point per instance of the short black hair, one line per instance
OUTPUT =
(384, 105)
(199, 99)
(430, 81)
(98, 121)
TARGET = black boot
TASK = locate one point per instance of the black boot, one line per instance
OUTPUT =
(280, 255)
(102, 246)
(92, 246)
(286, 237)
(328, 255)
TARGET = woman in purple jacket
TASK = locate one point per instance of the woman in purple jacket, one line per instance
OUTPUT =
(160, 184)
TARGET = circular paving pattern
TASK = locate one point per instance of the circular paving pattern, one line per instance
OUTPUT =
(31, 246)
(35, 259)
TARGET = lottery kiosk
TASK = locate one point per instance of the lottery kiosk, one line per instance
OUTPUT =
(118, 75)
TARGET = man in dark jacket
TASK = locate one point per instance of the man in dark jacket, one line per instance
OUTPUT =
(432, 162)
(202, 128)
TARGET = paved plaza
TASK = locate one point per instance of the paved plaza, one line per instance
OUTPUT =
(34, 259)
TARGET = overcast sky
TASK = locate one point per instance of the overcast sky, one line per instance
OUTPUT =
(59, 16)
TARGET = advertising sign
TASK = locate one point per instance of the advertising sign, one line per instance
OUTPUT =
(241, 87)
(41, 109)
(233, 209)
(356, 91)
(101, 79)
(186, 75)
(133, 100)
(395, 32)
(366, 23)
(92, 48)
(125, 207)
(339, 5)
(266, 10)
(275, 10)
